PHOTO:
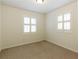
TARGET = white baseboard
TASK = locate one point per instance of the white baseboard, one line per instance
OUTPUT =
(63, 46)
(21, 44)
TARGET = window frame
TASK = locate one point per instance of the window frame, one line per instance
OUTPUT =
(60, 21)
(33, 24)
(30, 25)
(64, 21)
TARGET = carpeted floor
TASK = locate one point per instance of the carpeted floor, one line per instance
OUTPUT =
(39, 50)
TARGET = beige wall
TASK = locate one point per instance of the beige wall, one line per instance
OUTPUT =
(65, 39)
(13, 34)
(12, 26)
(0, 25)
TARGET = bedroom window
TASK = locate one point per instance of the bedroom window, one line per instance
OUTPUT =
(67, 18)
(29, 24)
(33, 24)
(64, 22)
(26, 24)
(60, 22)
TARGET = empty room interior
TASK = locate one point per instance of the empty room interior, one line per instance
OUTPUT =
(38, 29)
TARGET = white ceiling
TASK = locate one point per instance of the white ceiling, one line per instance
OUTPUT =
(47, 6)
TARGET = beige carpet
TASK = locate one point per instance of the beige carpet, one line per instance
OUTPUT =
(40, 50)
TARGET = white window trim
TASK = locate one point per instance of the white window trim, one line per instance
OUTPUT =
(30, 24)
(63, 21)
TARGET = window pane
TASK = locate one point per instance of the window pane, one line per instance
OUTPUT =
(67, 25)
(39, 1)
(26, 28)
(26, 20)
(33, 21)
(33, 28)
(67, 16)
(60, 18)
(60, 25)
